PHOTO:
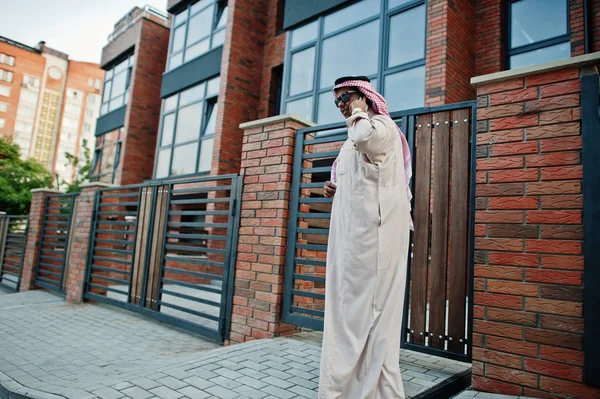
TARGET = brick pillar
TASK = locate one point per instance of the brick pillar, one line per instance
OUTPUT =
(528, 302)
(79, 243)
(32, 247)
(267, 158)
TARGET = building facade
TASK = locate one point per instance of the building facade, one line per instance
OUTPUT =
(48, 103)
(133, 62)
(223, 63)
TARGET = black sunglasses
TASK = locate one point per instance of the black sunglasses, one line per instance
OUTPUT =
(344, 97)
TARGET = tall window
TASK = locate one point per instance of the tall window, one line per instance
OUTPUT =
(320, 52)
(3, 106)
(106, 156)
(7, 59)
(187, 131)
(2, 123)
(116, 86)
(7, 76)
(538, 32)
(197, 29)
(4, 91)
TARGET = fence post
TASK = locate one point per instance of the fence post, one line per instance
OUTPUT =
(79, 244)
(36, 220)
(267, 159)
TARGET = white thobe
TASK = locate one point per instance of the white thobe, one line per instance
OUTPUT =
(366, 265)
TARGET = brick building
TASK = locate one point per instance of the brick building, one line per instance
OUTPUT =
(48, 103)
(133, 61)
(213, 65)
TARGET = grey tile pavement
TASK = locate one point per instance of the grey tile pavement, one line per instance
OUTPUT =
(470, 394)
(50, 349)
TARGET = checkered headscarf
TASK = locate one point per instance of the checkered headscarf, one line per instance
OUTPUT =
(380, 107)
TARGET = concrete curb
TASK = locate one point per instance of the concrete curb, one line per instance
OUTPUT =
(11, 389)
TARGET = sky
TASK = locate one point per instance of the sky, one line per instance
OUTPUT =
(78, 28)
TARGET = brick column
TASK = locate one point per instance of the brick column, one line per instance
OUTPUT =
(267, 158)
(528, 302)
(32, 247)
(79, 243)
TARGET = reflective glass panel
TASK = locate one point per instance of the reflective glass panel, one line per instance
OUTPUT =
(543, 55)
(304, 34)
(184, 158)
(407, 37)
(188, 123)
(352, 14)
(338, 61)
(167, 129)
(303, 68)
(206, 155)
(536, 20)
(406, 89)
(302, 108)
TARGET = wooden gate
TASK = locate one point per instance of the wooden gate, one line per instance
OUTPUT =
(167, 250)
(437, 315)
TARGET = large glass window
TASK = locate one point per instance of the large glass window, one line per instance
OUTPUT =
(539, 32)
(188, 125)
(347, 42)
(106, 156)
(116, 86)
(197, 29)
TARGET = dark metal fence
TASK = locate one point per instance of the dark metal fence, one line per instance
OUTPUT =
(167, 250)
(13, 238)
(437, 314)
(54, 243)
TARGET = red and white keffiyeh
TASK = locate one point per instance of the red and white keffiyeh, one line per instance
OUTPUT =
(380, 107)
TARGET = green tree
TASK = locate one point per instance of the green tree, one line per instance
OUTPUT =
(17, 178)
(83, 166)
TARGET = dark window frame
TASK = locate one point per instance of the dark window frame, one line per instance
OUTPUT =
(219, 7)
(564, 38)
(383, 70)
(107, 94)
(208, 105)
(99, 152)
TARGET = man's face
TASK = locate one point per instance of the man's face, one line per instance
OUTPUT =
(344, 107)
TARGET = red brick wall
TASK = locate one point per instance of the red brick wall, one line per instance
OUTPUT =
(450, 52)
(577, 27)
(143, 112)
(82, 222)
(241, 76)
(267, 159)
(528, 327)
(460, 61)
(490, 36)
(274, 53)
(594, 29)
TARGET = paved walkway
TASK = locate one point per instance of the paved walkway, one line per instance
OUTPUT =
(50, 349)
(484, 395)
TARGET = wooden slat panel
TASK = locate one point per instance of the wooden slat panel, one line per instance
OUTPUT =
(418, 283)
(140, 245)
(439, 230)
(156, 256)
(68, 252)
(459, 230)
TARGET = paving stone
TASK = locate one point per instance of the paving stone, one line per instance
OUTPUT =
(252, 382)
(304, 383)
(222, 393)
(278, 392)
(248, 392)
(108, 393)
(304, 392)
(225, 382)
(199, 382)
(172, 383)
(137, 393)
(228, 373)
(193, 392)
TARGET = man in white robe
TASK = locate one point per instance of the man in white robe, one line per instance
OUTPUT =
(367, 251)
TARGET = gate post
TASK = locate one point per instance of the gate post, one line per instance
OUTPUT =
(36, 220)
(267, 159)
(76, 262)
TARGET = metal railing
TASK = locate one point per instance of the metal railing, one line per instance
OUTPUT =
(13, 240)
